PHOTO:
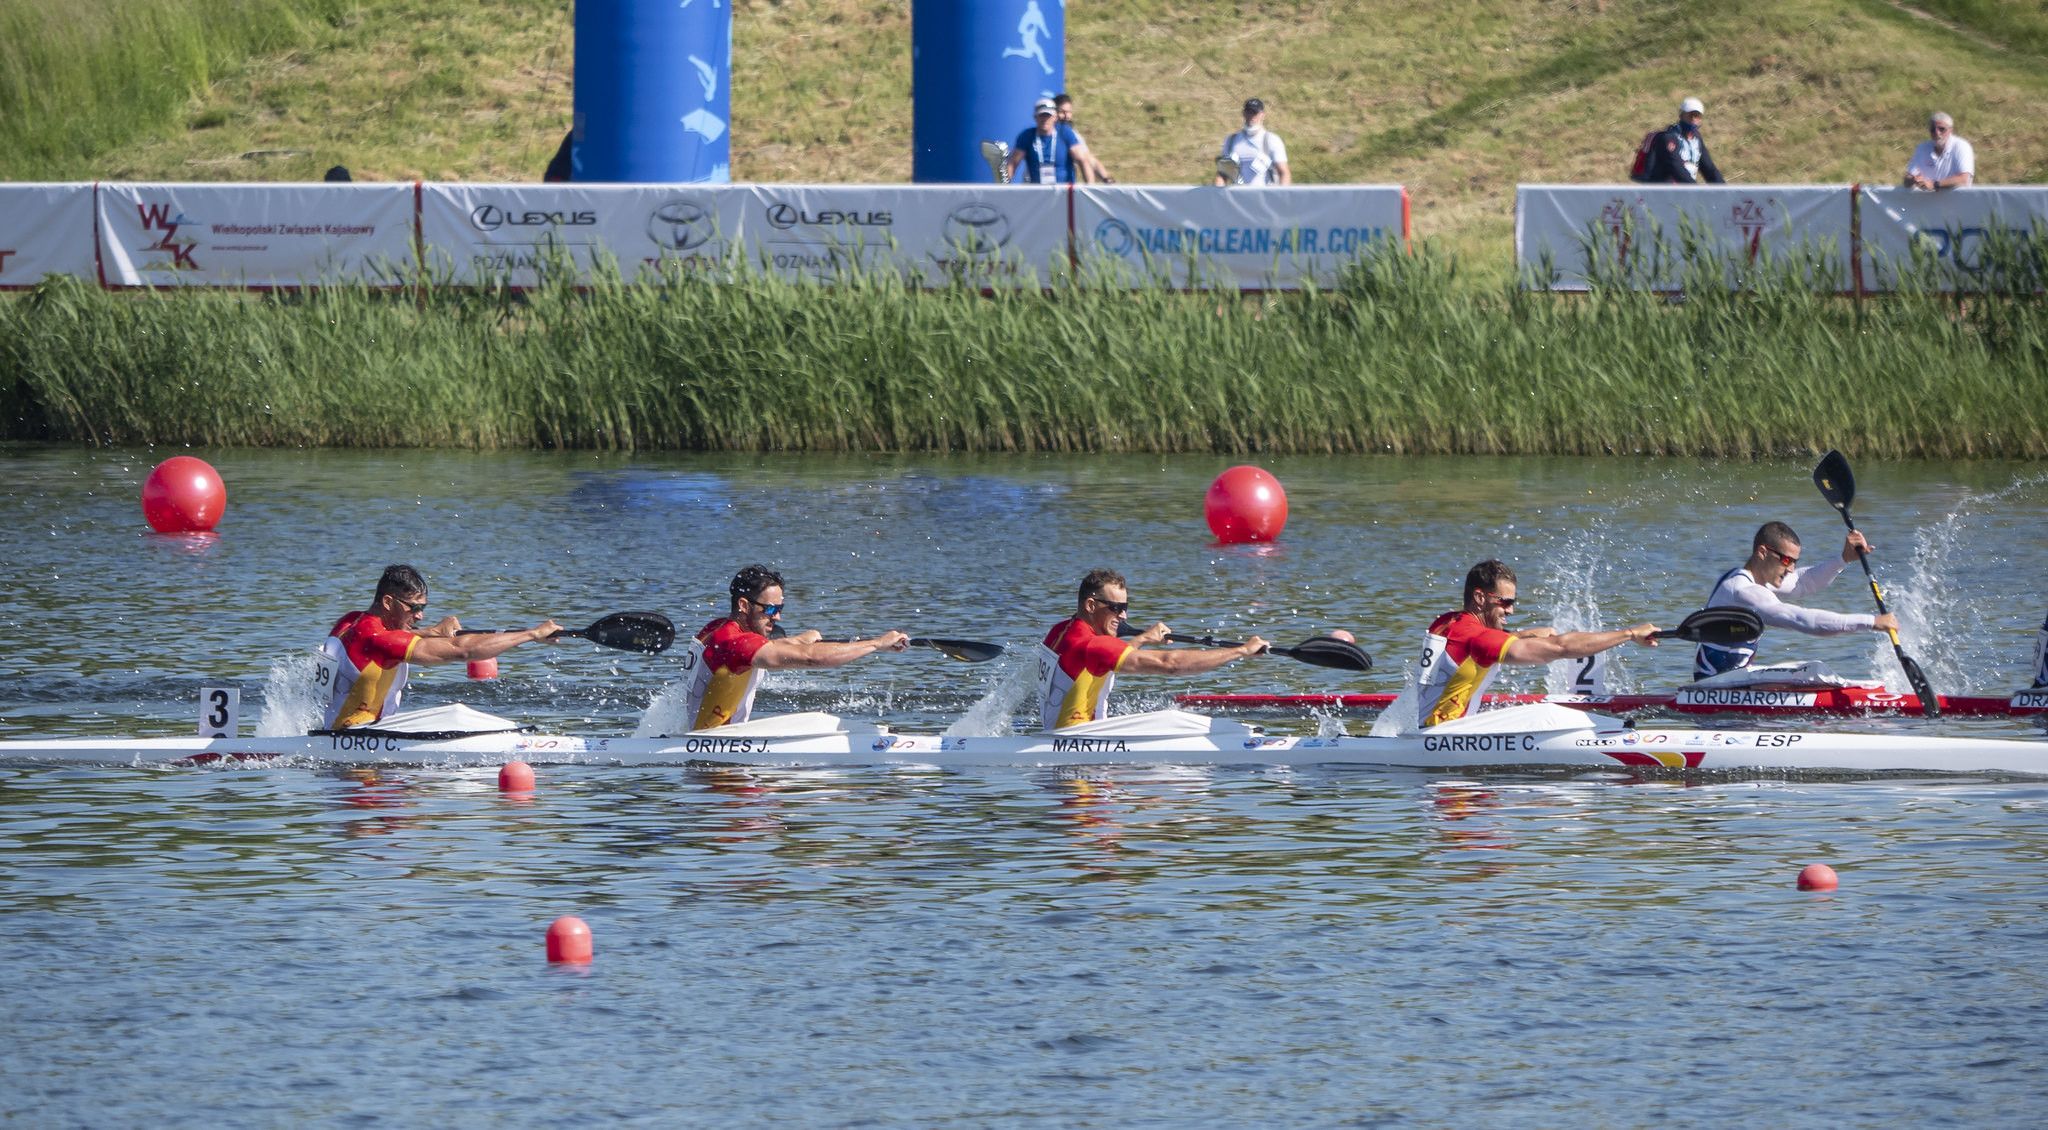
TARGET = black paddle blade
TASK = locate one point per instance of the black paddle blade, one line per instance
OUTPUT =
(966, 651)
(648, 632)
(1836, 484)
(1930, 703)
(1328, 651)
(1720, 626)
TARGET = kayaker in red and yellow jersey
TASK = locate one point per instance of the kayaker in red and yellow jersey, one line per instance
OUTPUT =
(1463, 650)
(730, 653)
(1080, 658)
(367, 657)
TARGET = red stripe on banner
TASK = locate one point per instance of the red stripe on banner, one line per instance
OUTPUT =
(1856, 238)
(1073, 251)
(1407, 227)
(99, 265)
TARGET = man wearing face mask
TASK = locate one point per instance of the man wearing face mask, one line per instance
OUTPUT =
(1255, 152)
(1679, 154)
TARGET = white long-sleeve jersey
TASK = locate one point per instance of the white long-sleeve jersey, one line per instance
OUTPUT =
(1737, 589)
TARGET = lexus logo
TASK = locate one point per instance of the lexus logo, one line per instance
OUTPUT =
(784, 217)
(491, 217)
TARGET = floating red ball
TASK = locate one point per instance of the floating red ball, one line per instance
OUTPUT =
(183, 495)
(515, 777)
(1245, 504)
(569, 940)
(1817, 877)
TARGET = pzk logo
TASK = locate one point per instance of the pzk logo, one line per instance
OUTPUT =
(680, 225)
(1750, 218)
(785, 217)
(490, 217)
(157, 217)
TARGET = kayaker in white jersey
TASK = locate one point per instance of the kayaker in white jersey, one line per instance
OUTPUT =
(1081, 656)
(1761, 585)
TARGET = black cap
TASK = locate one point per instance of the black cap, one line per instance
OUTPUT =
(1254, 106)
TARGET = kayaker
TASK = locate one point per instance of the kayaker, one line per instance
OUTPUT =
(1772, 573)
(1463, 650)
(1081, 657)
(727, 658)
(364, 662)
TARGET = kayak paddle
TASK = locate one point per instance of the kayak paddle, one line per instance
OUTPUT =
(647, 632)
(1723, 627)
(1321, 651)
(1838, 486)
(966, 651)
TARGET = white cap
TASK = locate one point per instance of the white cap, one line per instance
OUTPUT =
(1043, 106)
(1691, 106)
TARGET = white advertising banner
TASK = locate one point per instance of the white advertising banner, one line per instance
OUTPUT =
(509, 233)
(255, 235)
(475, 233)
(1247, 238)
(1949, 228)
(987, 235)
(45, 229)
(1635, 234)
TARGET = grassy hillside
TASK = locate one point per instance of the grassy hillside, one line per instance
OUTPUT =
(1459, 100)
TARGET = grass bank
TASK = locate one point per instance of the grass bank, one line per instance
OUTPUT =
(1404, 357)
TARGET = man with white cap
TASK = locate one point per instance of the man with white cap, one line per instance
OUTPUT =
(1254, 154)
(1679, 154)
(1943, 160)
(1048, 150)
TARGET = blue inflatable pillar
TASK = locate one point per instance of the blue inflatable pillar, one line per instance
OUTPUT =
(653, 91)
(976, 66)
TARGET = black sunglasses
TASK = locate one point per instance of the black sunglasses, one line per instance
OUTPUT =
(1117, 606)
(413, 606)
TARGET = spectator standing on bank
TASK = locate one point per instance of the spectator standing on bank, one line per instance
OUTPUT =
(1089, 166)
(1679, 154)
(1049, 150)
(1943, 160)
(1260, 155)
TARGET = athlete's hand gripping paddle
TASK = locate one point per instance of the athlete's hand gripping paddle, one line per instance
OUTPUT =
(646, 632)
(1838, 486)
(1321, 651)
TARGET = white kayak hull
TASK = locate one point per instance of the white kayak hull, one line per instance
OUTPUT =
(1513, 738)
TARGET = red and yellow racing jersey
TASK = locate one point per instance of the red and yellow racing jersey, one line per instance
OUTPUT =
(1076, 668)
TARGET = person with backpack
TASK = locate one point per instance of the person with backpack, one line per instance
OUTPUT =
(1257, 152)
(1678, 153)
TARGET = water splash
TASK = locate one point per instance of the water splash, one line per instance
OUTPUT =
(290, 704)
(993, 714)
(1933, 610)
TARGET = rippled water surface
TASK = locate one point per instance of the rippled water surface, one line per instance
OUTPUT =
(1117, 946)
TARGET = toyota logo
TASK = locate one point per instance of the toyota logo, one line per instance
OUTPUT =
(680, 225)
(977, 230)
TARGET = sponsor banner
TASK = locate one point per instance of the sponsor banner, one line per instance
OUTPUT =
(511, 233)
(989, 236)
(256, 235)
(1633, 235)
(1950, 230)
(45, 229)
(1249, 239)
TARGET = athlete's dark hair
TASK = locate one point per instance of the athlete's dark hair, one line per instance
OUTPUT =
(1775, 533)
(1062, 96)
(400, 581)
(1485, 575)
(751, 582)
(1096, 580)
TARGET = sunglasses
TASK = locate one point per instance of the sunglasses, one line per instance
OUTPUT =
(1505, 602)
(769, 610)
(1117, 606)
(413, 606)
(1787, 562)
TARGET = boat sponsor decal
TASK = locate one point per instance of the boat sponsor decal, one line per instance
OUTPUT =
(548, 743)
(1741, 697)
(2030, 700)
(1669, 759)
(1090, 745)
(884, 743)
(1478, 743)
(949, 745)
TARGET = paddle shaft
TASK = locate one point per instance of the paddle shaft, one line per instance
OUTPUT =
(1930, 703)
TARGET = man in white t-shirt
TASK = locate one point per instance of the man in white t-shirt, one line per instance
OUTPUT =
(1258, 153)
(1942, 161)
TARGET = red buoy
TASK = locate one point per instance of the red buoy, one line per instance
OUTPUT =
(183, 495)
(1245, 504)
(515, 777)
(1817, 877)
(483, 668)
(569, 940)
